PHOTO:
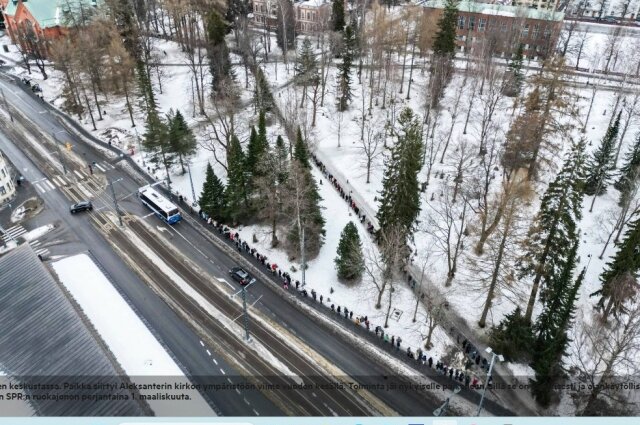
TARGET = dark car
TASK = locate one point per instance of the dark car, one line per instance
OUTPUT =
(239, 274)
(81, 206)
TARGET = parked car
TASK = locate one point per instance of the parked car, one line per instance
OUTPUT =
(611, 20)
(81, 206)
(240, 275)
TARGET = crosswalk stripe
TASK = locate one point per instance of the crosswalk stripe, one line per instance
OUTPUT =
(42, 251)
(101, 168)
(78, 174)
(84, 173)
(60, 180)
(109, 165)
(41, 190)
(14, 232)
(34, 243)
(50, 185)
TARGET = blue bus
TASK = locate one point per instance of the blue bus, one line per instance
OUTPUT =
(160, 205)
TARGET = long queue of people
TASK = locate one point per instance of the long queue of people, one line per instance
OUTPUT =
(463, 377)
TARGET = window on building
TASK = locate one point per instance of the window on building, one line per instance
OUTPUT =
(3, 191)
(547, 33)
(525, 31)
(472, 23)
(460, 22)
(536, 31)
(482, 24)
(4, 173)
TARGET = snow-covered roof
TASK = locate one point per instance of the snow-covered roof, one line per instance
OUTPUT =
(50, 13)
(312, 3)
(498, 10)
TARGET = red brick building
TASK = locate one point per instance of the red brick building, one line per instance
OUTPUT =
(496, 29)
(45, 19)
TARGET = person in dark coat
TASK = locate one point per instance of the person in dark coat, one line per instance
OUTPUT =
(430, 361)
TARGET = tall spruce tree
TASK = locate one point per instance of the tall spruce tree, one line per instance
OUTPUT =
(515, 77)
(444, 46)
(212, 198)
(258, 145)
(344, 68)
(182, 142)
(400, 197)
(337, 15)
(601, 164)
(217, 50)
(551, 329)
(303, 205)
(444, 43)
(553, 231)
(350, 259)
(300, 152)
(262, 96)
(236, 193)
(620, 277)
(629, 172)
(156, 142)
(306, 68)
(282, 154)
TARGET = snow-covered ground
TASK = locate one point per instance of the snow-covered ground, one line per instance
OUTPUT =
(131, 342)
(347, 160)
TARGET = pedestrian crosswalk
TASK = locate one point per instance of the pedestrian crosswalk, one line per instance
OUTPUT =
(46, 184)
(13, 233)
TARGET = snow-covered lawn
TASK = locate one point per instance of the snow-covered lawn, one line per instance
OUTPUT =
(131, 342)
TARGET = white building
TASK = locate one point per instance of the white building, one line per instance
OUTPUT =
(536, 4)
(604, 8)
(7, 188)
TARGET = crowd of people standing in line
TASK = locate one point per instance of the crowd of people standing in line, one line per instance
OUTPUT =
(464, 377)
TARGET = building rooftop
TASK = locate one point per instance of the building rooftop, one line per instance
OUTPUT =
(50, 13)
(498, 10)
(45, 341)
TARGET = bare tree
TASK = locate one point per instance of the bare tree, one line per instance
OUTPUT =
(221, 125)
(371, 145)
(195, 55)
(453, 111)
(447, 225)
(606, 355)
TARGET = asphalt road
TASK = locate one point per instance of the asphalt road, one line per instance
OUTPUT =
(177, 337)
(215, 262)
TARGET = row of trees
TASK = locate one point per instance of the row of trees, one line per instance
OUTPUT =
(273, 184)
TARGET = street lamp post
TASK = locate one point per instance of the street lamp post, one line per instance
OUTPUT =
(245, 313)
(193, 192)
(115, 200)
(442, 410)
(493, 361)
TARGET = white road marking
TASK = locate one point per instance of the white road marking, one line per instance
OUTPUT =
(50, 185)
(238, 391)
(78, 174)
(245, 401)
(99, 167)
(215, 361)
(86, 192)
(225, 281)
(34, 244)
(229, 380)
(201, 343)
(255, 411)
(315, 395)
(223, 372)
(41, 190)
(208, 352)
(60, 180)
